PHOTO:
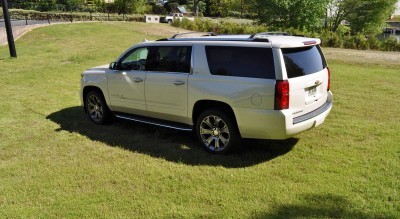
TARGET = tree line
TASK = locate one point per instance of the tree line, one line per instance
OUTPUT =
(362, 16)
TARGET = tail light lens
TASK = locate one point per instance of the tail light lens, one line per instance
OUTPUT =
(281, 95)
(329, 79)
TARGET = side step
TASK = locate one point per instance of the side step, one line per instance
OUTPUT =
(156, 122)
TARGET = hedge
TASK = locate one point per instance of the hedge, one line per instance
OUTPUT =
(20, 14)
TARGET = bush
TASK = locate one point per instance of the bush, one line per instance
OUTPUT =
(374, 43)
(361, 42)
(222, 27)
(331, 39)
(390, 44)
(343, 30)
(349, 43)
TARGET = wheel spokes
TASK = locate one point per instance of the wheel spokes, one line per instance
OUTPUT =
(214, 133)
(95, 108)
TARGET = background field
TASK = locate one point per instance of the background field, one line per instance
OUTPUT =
(56, 163)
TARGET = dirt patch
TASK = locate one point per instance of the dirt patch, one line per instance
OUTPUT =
(366, 57)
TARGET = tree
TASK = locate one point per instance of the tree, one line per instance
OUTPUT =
(218, 8)
(299, 14)
(367, 16)
(371, 15)
(130, 6)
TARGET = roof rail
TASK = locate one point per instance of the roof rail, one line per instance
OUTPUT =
(263, 34)
(193, 34)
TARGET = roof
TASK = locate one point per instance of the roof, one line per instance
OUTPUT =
(275, 39)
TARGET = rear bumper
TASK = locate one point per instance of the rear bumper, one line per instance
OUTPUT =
(273, 124)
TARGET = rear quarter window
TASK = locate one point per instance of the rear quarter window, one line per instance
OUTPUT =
(241, 61)
(303, 61)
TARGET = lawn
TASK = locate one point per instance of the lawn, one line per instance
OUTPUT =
(55, 163)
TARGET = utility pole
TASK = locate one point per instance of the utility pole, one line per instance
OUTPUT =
(10, 36)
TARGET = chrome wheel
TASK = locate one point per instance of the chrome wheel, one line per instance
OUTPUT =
(214, 133)
(95, 108)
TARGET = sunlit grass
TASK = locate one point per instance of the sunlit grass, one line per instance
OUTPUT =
(55, 163)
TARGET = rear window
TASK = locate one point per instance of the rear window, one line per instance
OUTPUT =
(303, 61)
(241, 61)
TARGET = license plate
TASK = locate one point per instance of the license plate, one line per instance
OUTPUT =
(312, 92)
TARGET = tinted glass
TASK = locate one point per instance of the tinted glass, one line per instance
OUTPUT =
(170, 59)
(241, 61)
(303, 61)
(135, 60)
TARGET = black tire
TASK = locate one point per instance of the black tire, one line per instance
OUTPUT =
(96, 108)
(217, 132)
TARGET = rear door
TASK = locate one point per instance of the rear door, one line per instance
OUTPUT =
(308, 77)
(166, 86)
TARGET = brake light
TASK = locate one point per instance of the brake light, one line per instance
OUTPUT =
(329, 79)
(281, 95)
(307, 43)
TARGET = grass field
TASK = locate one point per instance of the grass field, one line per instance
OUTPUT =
(55, 163)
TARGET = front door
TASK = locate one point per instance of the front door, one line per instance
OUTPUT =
(126, 86)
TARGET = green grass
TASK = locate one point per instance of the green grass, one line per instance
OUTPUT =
(55, 163)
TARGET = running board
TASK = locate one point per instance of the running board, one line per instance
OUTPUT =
(156, 122)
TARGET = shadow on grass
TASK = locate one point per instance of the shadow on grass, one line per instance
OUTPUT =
(171, 145)
(317, 206)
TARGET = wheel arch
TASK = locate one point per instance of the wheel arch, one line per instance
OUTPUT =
(87, 89)
(201, 105)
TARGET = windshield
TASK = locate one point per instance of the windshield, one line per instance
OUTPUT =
(303, 61)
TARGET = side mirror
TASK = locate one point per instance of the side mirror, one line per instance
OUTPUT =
(113, 66)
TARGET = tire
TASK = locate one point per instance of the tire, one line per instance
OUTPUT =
(217, 132)
(96, 108)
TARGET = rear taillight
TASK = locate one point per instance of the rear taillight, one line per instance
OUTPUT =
(329, 80)
(281, 95)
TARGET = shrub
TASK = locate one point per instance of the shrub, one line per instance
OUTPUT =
(343, 30)
(349, 43)
(361, 42)
(390, 44)
(374, 43)
(331, 39)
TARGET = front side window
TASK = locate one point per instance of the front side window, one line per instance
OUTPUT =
(170, 59)
(303, 61)
(135, 60)
(252, 62)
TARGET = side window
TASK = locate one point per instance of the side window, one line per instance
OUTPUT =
(135, 60)
(252, 62)
(170, 59)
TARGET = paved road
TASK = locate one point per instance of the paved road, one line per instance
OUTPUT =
(24, 22)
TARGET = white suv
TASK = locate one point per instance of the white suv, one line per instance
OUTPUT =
(225, 87)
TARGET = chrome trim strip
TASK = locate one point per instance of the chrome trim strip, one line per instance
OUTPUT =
(312, 114)
(153, 123)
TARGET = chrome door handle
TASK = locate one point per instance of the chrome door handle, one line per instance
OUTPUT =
(178, 82)
(137, 80)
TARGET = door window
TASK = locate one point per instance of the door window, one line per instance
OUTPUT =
(170, 59)
(135, 60)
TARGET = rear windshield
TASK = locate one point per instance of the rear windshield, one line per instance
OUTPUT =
(241, 61)
(303, 61)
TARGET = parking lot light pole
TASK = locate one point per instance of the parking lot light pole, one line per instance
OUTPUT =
(10, 36)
